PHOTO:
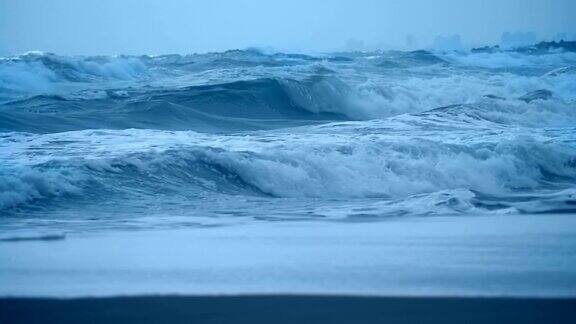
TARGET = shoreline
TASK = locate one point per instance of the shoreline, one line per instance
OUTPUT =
(520, 256)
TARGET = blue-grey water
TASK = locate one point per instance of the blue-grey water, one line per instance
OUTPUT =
(243, 136)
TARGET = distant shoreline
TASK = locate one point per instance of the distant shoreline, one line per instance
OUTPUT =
(279, 309)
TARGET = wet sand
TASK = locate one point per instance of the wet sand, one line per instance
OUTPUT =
(474, 256)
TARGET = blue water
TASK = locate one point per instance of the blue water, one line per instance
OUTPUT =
(240, 136)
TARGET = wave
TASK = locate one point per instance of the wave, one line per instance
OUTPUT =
(39, 72)
(382, 133)
(240, 105)
(511, 59)
(269, 103)
(411, 59)
(531, 110)
(356, 88)
(311, 164)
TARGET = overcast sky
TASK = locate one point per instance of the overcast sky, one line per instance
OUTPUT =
(178, 26)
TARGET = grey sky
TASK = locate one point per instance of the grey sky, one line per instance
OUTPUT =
(178, 26)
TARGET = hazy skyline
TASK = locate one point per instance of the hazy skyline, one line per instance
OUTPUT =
(159, 27)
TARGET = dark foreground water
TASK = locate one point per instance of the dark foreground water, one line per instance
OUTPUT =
(288, 310)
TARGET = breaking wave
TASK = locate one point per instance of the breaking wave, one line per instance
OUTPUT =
(342, 135)
(310, 165)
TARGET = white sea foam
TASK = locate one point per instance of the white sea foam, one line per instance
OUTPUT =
(46, 73)
(425, 134)
(358, 163)
(506, 60)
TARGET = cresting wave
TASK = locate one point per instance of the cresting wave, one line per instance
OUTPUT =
(309, 164)
(343, 135)
(240, 105)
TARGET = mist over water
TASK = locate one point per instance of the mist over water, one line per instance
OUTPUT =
(136, 27)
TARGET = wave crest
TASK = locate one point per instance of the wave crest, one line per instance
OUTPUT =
(313, 166)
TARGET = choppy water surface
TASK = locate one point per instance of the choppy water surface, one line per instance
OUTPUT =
(169, 141)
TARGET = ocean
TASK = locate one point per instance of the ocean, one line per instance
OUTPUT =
(132, 142)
